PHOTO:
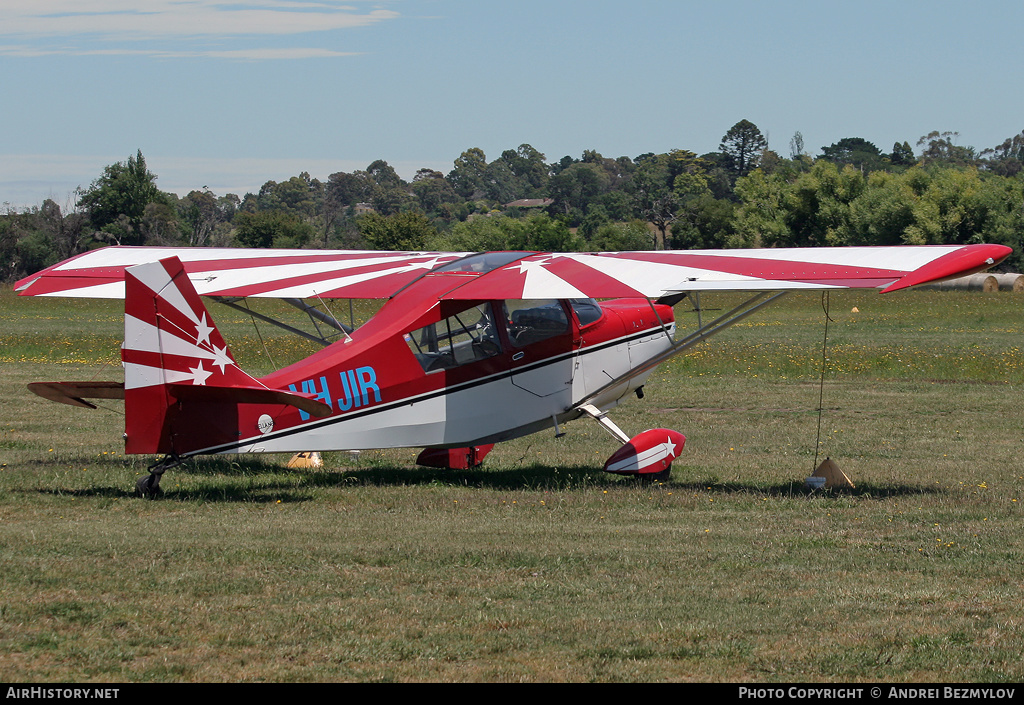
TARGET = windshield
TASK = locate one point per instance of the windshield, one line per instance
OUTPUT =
(482, 262)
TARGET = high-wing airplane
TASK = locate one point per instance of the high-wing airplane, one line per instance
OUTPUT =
(469, 349)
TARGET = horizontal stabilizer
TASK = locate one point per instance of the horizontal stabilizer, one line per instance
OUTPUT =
(249, 395)
(75, 393)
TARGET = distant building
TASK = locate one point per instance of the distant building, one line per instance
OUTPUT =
(531, 203)
(364, 208)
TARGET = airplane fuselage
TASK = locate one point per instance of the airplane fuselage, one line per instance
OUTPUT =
(436, 373)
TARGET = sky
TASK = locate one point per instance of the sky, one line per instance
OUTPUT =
(229, 94)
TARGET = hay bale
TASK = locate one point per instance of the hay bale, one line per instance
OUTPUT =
(983, 282)
(1010, 282)
(974, 282)
(947, 285)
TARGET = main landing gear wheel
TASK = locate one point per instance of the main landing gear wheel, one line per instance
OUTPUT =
(652, 477)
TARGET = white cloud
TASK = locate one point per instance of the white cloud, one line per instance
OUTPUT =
(186, 18)
(251, 54)
(75, 26)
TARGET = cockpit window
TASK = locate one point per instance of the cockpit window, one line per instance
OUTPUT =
(587, 311)
(466, 337)
(482, 262)
(533, 320)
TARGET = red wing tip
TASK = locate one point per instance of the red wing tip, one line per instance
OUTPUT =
(967, 260)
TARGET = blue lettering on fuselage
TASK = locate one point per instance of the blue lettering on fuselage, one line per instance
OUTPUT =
(356, 385)
(309, 387)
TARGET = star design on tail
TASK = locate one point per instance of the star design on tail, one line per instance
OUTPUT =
(203, 330)
(199, 375)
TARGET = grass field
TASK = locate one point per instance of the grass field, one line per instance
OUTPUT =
(540, 567)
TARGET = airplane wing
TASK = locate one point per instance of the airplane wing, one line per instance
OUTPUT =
(238, 272)
(303, 274)
(663, 273)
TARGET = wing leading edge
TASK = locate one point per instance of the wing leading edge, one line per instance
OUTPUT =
(369, 274)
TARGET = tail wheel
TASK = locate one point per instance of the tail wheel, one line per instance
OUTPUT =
(148, 486)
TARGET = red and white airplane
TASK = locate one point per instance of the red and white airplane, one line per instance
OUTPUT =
(470, 349)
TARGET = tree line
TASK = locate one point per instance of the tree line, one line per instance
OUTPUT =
(743, 195)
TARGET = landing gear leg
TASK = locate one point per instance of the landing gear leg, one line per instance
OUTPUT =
(149, 486)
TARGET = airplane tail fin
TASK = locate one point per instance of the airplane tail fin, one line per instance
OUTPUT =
(182, 384)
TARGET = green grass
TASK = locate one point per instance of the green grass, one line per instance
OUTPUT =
(539, 567)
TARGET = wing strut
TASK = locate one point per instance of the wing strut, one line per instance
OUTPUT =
(322, 340)
(316, 314)
(651, 453)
